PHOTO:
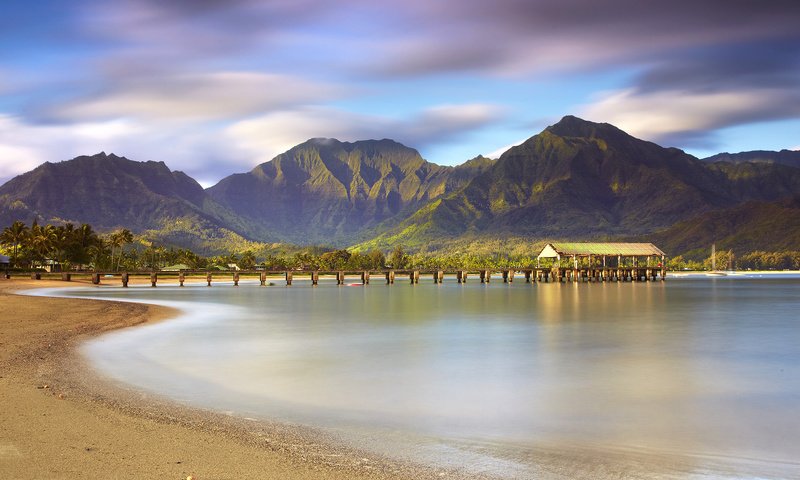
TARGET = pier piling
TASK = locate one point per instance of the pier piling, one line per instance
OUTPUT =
(508, 276)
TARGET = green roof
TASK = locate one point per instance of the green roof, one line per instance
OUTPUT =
(175, 268)
(610, 249)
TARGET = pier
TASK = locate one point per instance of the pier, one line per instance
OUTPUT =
(565, 263)
(530, 275)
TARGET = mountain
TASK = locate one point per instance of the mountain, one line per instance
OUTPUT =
(575, 180)
(784, 157)
(758, 180)
(585, 180)
(751, 226)
(327, 191)
(111, 192)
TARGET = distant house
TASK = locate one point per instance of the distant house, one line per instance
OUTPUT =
(176, 268)
(4, 261)
(618, 253)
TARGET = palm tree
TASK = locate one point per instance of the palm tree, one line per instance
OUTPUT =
(118, 239)
(13, 236)
(95, 253)
(63, 238)
(42, 240)
(83, 238)
(248, 260)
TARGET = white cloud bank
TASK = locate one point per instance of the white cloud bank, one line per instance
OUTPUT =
(196, 97)
(266, 136)
(664, 115)
(208, 152)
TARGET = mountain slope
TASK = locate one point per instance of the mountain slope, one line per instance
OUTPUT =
(579, 179)
(327, 191)
(751, 226)
(574, 180)
(110, 192)
(784, 157)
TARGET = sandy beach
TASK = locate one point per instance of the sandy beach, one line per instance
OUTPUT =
(59, 420)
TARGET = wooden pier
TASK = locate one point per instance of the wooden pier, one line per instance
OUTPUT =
(530, 275)
(569, 263)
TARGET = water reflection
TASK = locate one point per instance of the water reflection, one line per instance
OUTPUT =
(691, 367)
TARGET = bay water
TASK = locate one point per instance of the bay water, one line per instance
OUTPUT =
(694, 377)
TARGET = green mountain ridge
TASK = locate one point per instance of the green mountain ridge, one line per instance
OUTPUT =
(112, 192)
(327, 191)
(576, 180)
(751, 226)
(585, 180)
(784, 157)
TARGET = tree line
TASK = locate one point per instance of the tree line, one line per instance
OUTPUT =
(32, 247)
(71, 247)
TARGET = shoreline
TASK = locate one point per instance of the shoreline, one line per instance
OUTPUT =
(84, 425)
(61, 419)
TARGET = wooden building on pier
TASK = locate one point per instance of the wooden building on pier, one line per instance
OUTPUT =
(600, 254)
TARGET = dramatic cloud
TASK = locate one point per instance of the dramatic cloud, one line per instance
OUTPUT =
(208, 154)
(267, 136)
(676, 117)
(206, 157)
(518, 36)
(213, 86)
(226, 95)
(683, 99)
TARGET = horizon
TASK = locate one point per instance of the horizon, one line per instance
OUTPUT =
(213, 88)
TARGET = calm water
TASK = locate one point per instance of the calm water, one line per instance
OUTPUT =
(505, 379)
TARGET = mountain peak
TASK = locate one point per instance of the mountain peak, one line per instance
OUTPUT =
(327, 142)
(322, 141)
(572, 126)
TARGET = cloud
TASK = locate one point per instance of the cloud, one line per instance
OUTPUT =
(496, 153)
(522, 36)
(242, 78)
(203, 154)
(207, 96)
(209, 153)
(769, 64)
(24, 147)
(198, 28)
(688, 118)
(269, 135)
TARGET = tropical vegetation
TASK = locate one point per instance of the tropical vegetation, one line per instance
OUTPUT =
(66, 247)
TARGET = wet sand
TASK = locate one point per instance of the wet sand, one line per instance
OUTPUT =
(59, 420)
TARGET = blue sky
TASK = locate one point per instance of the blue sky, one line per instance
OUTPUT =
(215, 87)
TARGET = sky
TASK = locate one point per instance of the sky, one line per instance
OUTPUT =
(215, 87)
